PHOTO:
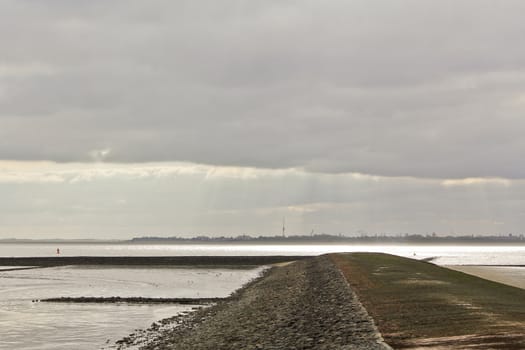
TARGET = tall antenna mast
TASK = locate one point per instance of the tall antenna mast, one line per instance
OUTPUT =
(283, 226)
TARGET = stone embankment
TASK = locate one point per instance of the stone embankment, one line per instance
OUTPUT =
(304, 305)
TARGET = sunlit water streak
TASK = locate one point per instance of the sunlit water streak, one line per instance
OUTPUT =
(446, 254)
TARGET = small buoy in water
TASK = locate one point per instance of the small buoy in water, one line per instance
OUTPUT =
(58, 251)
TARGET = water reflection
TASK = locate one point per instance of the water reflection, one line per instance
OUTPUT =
(447, 254)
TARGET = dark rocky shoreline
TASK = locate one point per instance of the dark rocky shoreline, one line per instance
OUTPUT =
(304, 305)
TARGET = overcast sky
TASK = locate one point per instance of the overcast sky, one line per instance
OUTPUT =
(127, 118)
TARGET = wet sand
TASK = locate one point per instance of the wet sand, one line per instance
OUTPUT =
(509, 275)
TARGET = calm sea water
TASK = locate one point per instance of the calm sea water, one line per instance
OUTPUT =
(27, 325)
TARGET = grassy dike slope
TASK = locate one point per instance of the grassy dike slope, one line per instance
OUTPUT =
(417, 304)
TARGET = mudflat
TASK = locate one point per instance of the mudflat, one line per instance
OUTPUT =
(500, 274)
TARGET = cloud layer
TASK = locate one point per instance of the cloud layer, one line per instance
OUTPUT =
(398, 88)
(122, 118)
(45, 200)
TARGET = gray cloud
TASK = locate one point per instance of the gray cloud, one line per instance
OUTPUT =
(417, 88)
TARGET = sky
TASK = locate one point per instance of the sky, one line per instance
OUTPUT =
(129, 118)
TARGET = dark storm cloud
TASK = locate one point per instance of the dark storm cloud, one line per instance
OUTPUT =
(419, 88)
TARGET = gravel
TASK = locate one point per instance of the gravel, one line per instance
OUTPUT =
(304, 305)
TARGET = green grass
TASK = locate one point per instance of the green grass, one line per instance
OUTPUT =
(417, 304)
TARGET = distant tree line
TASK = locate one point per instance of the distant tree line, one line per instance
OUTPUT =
(379, 238)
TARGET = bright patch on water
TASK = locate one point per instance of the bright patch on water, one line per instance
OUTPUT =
(446, 254)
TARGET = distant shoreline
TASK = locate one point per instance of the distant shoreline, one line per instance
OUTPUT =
(293, 240)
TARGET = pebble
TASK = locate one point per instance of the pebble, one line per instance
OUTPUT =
(304, 305)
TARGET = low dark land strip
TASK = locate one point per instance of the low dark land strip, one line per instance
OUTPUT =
(19, 268)
(303, 305)
(147, 260)
(132, 300)
(416, 304)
